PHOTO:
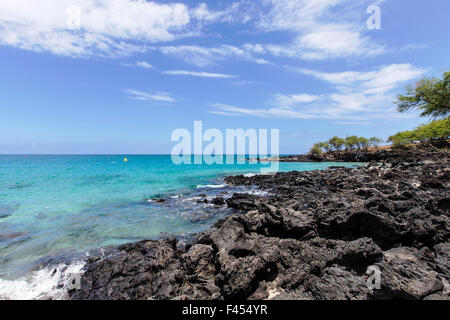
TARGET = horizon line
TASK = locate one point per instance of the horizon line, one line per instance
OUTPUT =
(128, 154)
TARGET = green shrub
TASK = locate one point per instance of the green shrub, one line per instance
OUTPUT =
(316, 151)
(433, 132)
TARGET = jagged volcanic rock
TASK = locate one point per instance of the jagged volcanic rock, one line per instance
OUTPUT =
(313, 239)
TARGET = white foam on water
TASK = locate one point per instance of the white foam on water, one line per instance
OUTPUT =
(260, 193)
(212, 186)
(249, 175)
(47, 283)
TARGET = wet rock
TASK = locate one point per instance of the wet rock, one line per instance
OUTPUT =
(137, 271)
(218, 201)
(242, 201)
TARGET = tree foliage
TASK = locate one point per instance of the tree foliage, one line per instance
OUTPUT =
(363, 143)
(336, 144)
(351, 142)
(433, 132)
(316, 151)
(375, 142)
(430, 95)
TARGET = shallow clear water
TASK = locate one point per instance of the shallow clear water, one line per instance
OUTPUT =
(54, 206)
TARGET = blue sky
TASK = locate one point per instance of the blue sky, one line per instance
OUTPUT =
(127, 73)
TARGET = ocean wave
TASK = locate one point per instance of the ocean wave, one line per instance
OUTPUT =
(44, 284)
(212, 186)
(256, 192)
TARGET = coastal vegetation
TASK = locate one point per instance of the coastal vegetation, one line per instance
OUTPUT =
(337, 144)
(430, 96)
(436, 133)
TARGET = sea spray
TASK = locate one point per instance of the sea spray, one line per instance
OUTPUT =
(44, 284)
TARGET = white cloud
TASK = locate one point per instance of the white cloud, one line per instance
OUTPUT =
(244, 82)
(198, 74)
(357, 96)
(236, 12)
(322, 29)
(223, 109)
(370, 82)
(199, 56)
(144, 96)
(202, 12)
(293, 99)
(207, 56)
(319, 29)
(334, 41)
(140, 64)
(144, 64)
(370, 93)
(293, 14)
(106, 27)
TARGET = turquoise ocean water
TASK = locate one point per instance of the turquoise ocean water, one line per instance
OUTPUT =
(64, 206)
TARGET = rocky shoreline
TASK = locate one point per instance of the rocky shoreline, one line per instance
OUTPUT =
(386, 154)
(314, 238)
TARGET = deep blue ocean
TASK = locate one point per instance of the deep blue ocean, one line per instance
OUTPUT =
(57, 207)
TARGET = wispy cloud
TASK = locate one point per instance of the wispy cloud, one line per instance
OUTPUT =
(322, 29)
(284, 100)
(244, 82)
(236, 12)
(318, 30)
(144, 96)
(223, 109)
(198, 74)
(202, 56)
(380, 80)
(357, 96)
(140, 64)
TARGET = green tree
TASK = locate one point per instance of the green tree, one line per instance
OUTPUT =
(316, 151)
(363, 143)
(325, 146)
(433, 132)
(430, 95)
(375, 142)
(351, 142)
(336, 143)
(404, 137)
